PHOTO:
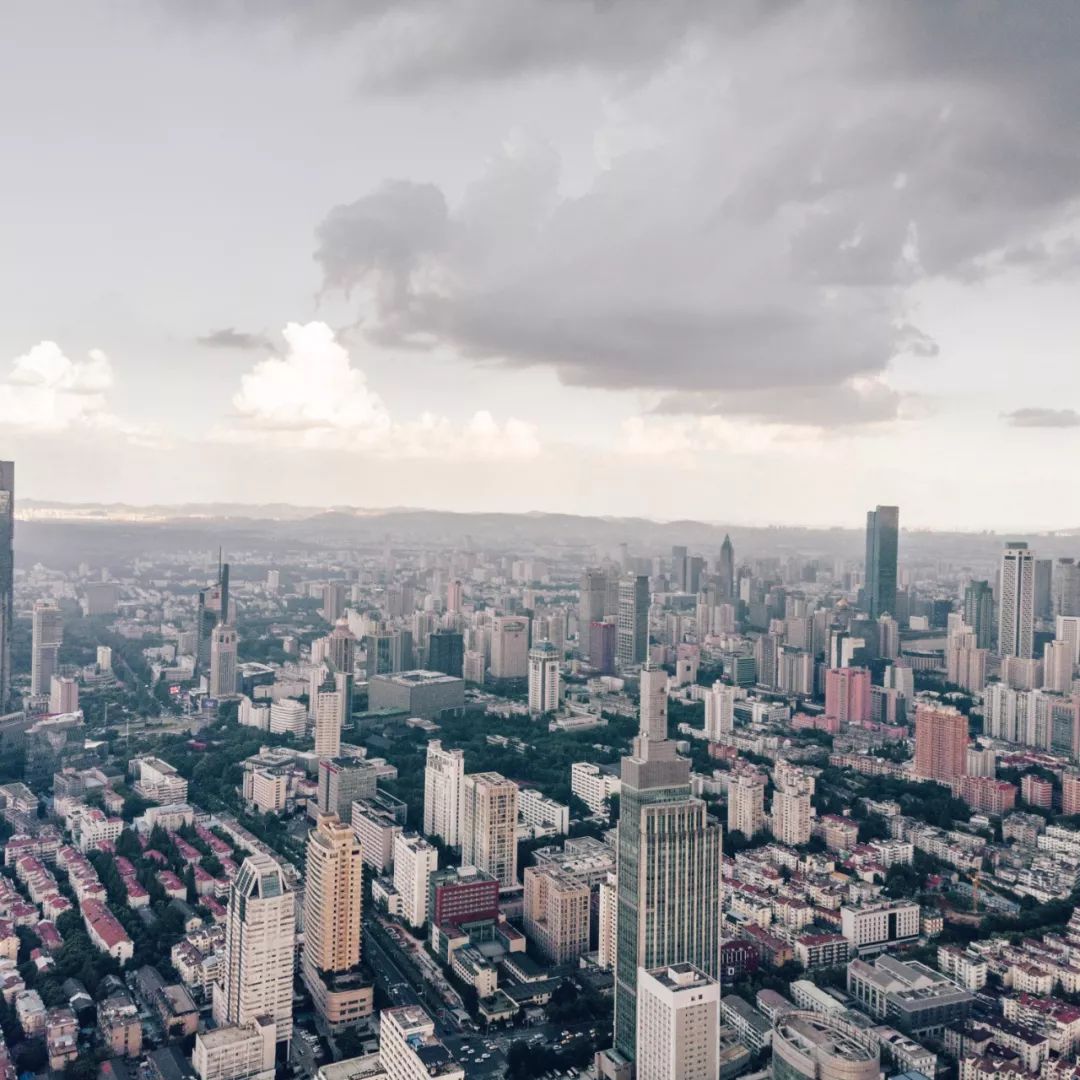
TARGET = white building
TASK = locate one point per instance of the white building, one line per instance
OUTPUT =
(236, 1052)
(158, 781)
(409, 1048)
(592, 785)
(719, 710)
(608, 917)
(544, 679)
(654, 703)
(333, 706)
(63, 694)
(489, 826)
(791, 819)
(415, 860)
(538, 810)
(678, 1024)
(288, 717)
(444, 773)
(746, 803)
(871, 928)
(1016, 629)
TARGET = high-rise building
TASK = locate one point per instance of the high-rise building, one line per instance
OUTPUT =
(607, 919)
(446, 652)
(882, 543)
(333, 906)
(592, 599)
(333, 709)
(444, 775)
(47, 635)
(544, 680)
(669, 872)
(288, 717)
(941, 741)
(678, 1024)
(415, 860)
(790, 819)
(1066, 587)
(1067, 628)
(333, 601)
(273, 582)
(979, 612)
(557, 913)
(63, 694)
(746, 803)
(1016, 629)
(455, 594)
(489, 811)
(410, 1050)
(1058, 666)
(632, 625)
(223, 663)
(341, 647)
(1070, 793)
(343, 781)
(259, 955)
(725, 570)
(654, 703)
(847, 694)
(7, 577)
(509, 647)
(604, 645)
(719, 711)
(1044, 593)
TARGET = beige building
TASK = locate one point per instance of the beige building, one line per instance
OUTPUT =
(489, 826)
(409, 1048)
(556, 913)
(333, 902)
(790, 820)
(608, 916)
(746, 803)
(260, 930)
(415, 860)
(236, 1052)
(444, 775)
(678, 1024)
(377, 829)
(509, 647)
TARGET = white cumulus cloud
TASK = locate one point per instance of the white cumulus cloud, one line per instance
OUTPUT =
(314, 396)
(47, 391)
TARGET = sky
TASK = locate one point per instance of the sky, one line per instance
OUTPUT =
(760, 262)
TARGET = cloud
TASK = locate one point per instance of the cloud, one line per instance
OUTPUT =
(230, 338)
(314, 397)
(46, 391)
(1044, 418)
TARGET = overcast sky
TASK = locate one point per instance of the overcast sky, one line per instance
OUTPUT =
(748, 262)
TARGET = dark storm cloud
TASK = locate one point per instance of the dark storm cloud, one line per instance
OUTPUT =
(230, 338)
(1044, 418)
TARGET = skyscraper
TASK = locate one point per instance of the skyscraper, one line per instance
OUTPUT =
(333, 905)
(1066, 587)
(1016, 629)
(489, 826)
(632, 634)
(446, 652)
(726, 570)
(223, 642)
(47, 634)
(979, 612)
(882, 541)
(7, 577)
(260, 927)
(444, 774)
(678, 1024)
(719, 710)
(669, 867)
(941, 741)
(333, 710)
(543, 678)
(591, 609)
(341, 647)
(509, 647)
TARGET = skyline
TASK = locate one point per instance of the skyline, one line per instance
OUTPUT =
(557, 266)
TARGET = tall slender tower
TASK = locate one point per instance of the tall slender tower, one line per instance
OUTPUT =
(882, 542)
(979, 612)
(632, 640)
(333, 905)
(257, 976)
(727, 569)
(7, 577)
(47, 634)
(669, 866)
(1016, 630)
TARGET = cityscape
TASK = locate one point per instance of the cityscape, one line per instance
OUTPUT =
(536, 805)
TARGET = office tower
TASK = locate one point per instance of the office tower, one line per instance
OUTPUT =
(725, 570)
(1058, 666)
(410, 1050)
(654, 703)
(214, 606)
(1044, 596)
(63, 694)
(7, 577)
(1067, 628)
(632, 633)
(333, 906)
(603, 639)
(333, 601)
(341, 647)
(669, 872)
(678, 1024)
(509, 647)
(888, 638)
(489, 810)
(415, 860)
(882, 541)
(388, 651)
(446, 652)
(979, 612)
(965, 665)
(47, 635)
(820, 1046)
(260, 927)
(333, 710)
(941, 741)
(746, 803)
(544, 683)
(557, 913)
(767, 659)
(444, 774)
(592, 607)
(1066, 587)
(719, 711)
(847, 694)
(678, 568)
(223, 661)
(1016, 630)
(344, 781)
